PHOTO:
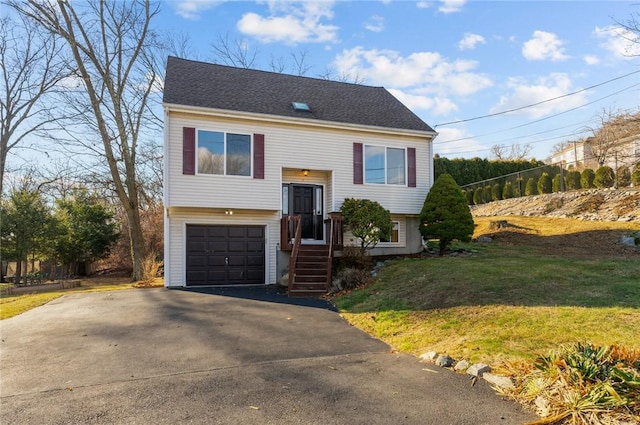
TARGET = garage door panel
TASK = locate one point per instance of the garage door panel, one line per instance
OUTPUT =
(237, 246)
(255, 261)
(237, 232)
(255, 232)
(218, 246)
(255, 246)
(223, 255)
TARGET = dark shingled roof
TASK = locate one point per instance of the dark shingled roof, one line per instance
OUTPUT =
(206, 85)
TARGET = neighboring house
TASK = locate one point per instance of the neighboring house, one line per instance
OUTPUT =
(246, 151)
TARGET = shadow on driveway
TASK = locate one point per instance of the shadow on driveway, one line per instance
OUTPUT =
(267, 293)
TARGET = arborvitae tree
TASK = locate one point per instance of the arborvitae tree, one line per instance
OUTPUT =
(623, 177)
(556, 185)
(586, 178)
(518, 187)
(605, 177)
(478, 196)
(496, 192)
(544, 184)
(635, 175)
(507, 190)
(487, 194)
(445, 214)
(530, 188)
(572, 180)
(469, 193)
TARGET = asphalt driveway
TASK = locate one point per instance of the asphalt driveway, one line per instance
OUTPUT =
(234, 357)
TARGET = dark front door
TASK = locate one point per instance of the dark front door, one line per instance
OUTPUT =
(225, 255)
(306, 201)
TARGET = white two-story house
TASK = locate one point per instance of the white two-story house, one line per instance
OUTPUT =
(257, 164)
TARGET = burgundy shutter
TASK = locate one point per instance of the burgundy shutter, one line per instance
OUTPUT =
(258, 156)
(188, 150)
(357, 163)
(411, 167)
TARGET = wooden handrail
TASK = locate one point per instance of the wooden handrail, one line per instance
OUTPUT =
(296, 221)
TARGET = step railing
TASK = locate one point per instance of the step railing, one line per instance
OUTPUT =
(296, 223)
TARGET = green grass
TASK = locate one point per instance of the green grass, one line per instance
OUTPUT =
(502, 304)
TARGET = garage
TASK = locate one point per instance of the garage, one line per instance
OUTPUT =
(225, 255)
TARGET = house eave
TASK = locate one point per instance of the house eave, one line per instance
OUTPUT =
(229, 114)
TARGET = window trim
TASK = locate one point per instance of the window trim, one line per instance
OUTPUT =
(225, 133)
(390, 242)
(386, 177)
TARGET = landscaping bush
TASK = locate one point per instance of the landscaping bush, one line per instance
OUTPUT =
(496, 192)
(586, 178)
(530, 188)
(351, 278)
(469, 193)
(605, 177)
(487, 194)
(367, 220)
(572, 180)
(635, 175)
(445, 214)
(353, 257)
(623, 177)
(585, 384)
(507, 190)
(544, 184)
(478, 196)
(556, 185)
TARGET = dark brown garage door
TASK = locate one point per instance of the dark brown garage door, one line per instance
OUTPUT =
(225, 255)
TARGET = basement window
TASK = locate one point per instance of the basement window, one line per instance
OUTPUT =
(300, 107)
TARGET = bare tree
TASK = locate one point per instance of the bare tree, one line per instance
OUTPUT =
(236, 53)
(113, 47)
(515, 152)
(33, 65)
(631, 33)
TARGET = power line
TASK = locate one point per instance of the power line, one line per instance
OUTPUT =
(537, 103)
(541, 119)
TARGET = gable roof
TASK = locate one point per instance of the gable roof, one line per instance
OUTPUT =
(200, 84)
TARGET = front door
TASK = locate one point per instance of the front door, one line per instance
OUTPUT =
(306, 201)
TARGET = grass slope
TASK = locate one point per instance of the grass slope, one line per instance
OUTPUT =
(507, 302)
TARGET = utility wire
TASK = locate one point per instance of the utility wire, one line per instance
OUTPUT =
(538, 120)
(537, 103)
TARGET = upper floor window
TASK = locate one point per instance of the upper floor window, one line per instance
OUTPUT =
(224, 153)
(384, 165)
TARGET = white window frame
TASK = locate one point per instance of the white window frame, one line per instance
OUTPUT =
(224, 162)
(386, 155)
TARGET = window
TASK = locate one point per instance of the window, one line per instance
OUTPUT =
(224, 153)
(384, 165)
(395, 233)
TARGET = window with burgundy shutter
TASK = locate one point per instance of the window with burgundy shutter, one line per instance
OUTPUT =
(258, 156)
(411, 167)
(357, 163)
(188, 150)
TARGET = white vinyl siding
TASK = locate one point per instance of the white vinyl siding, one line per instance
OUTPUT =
(327, 152)
(175, 256)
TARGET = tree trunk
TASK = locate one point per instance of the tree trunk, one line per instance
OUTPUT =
(137, 243)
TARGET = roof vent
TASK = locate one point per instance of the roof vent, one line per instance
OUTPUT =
(300, 107)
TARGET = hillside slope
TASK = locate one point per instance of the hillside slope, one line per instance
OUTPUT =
(593, 204)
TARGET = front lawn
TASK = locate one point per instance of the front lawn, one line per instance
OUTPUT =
(507, 301)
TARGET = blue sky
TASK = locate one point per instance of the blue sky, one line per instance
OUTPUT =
(447, 60)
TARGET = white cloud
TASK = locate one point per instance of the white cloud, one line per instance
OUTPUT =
(375, 23)
(544, 45)
(591, 59)
(619, 41)
(456, 143)
(423, 80)
(423, 4)
(291, 22)
(523, 93)
(470, 41)
(451, 6)
(191, 9)
(436, 105)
